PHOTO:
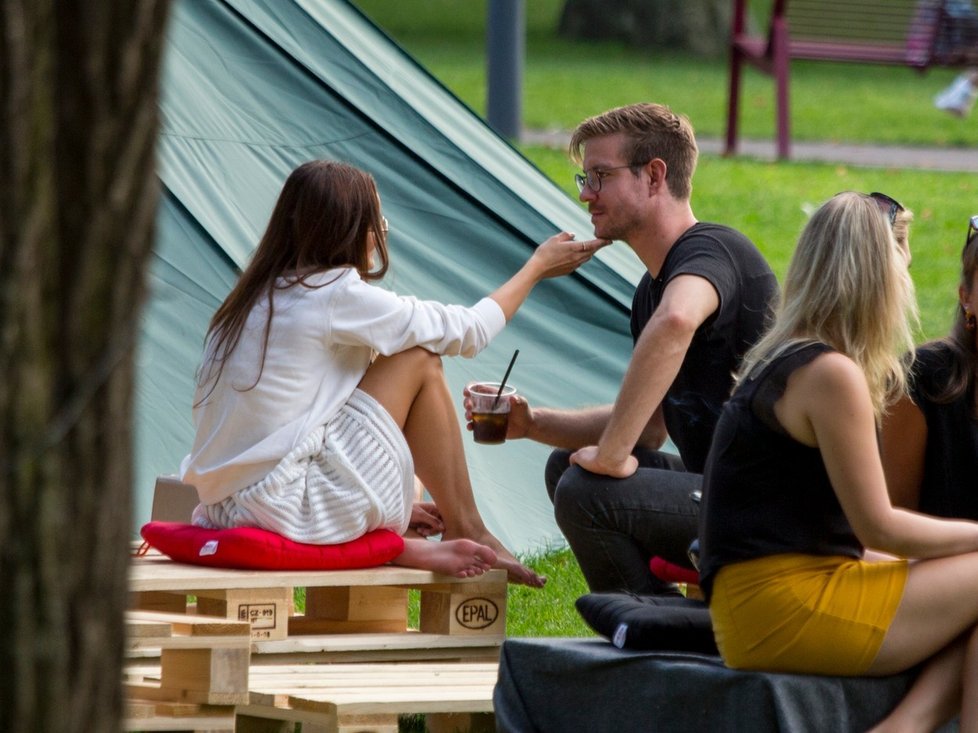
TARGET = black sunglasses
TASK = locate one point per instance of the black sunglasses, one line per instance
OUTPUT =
(888, 205)
(972, 231)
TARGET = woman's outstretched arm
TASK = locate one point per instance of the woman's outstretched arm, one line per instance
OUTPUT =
(559, 255)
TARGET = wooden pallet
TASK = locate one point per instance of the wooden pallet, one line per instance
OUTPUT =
(202, 674)
(350, 615)
(369, 697)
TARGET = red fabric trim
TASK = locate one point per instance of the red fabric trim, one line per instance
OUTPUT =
(671, 573)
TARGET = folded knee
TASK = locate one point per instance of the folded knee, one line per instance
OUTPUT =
(574, 497)
(419, 360)
(557, 465)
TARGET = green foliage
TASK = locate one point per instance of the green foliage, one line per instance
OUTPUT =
(548, 611)
(565, 81)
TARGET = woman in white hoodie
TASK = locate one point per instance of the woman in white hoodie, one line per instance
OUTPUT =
(321, 396)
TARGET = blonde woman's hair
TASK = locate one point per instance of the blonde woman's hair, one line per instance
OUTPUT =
(848, 286)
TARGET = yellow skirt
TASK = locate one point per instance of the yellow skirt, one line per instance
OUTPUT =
(804, 613)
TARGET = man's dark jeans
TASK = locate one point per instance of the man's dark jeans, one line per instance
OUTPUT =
(614, 526)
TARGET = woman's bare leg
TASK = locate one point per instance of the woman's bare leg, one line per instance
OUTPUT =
(411, 386)
(945, 589)
(969, 690)
(934, 698)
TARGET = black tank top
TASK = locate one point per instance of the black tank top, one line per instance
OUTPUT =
(949, 487)
(764, 493)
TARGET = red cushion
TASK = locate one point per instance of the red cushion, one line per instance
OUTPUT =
(258, 549)
(671, 573)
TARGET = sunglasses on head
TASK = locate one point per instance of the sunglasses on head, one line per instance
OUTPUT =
(972, 231)
(888, 205)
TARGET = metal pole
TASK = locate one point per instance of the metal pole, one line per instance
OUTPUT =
(506, 38)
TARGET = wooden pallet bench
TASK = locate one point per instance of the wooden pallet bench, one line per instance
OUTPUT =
(201, 676)
(348, 664)
(370, 697)
(350, 615)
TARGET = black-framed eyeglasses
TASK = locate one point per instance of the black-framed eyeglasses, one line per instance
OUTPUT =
(972, 231)
(888, 205)
(593, 178)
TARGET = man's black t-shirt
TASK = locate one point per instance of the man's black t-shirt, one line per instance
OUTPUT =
(746, 287)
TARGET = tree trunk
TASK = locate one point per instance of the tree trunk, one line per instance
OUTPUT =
(78, 191)
(699, 26)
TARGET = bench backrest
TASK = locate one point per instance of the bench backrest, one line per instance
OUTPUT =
(915, 32)
(858, 21)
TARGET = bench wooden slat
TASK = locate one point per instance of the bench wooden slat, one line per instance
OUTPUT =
(879, 53)
(410, 639)
(354, 689)
(182, 624)
(854, 31)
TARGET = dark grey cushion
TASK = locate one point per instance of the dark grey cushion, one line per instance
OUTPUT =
(560, 685)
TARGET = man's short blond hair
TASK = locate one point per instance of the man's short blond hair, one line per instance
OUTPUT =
(651, 131)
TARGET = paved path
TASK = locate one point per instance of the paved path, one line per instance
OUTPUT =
(885, 156)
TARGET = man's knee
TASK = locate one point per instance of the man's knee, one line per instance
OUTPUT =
(576, 498)
(557, 465)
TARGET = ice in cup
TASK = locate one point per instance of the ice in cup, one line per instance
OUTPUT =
(490, 417)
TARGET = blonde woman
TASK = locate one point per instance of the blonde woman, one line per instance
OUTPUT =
(794, 490)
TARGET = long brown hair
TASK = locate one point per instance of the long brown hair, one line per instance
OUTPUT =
(961, 340)
(323, 219)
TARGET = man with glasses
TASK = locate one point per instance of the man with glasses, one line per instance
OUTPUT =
(704, 301)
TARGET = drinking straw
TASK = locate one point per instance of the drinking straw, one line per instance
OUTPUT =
(505, 377)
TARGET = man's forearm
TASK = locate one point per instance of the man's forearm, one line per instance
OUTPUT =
(568, 429)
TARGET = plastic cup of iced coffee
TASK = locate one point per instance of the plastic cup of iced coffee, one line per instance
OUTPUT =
(490, 411)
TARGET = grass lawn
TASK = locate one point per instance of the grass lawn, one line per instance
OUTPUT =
(566, 81)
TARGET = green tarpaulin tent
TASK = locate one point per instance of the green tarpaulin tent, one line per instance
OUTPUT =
(252, 88)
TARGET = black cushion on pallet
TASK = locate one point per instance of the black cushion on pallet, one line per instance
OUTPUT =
(631, 621)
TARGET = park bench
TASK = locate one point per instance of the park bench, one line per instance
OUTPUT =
(914, 33)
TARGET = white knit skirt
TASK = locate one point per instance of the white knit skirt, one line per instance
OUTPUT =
(348, 477)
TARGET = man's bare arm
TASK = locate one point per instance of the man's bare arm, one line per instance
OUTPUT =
(686, 303)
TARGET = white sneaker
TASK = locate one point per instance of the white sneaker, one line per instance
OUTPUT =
(958, 98)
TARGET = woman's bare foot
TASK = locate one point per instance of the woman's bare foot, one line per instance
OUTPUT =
(461, 558)
(516, 571)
